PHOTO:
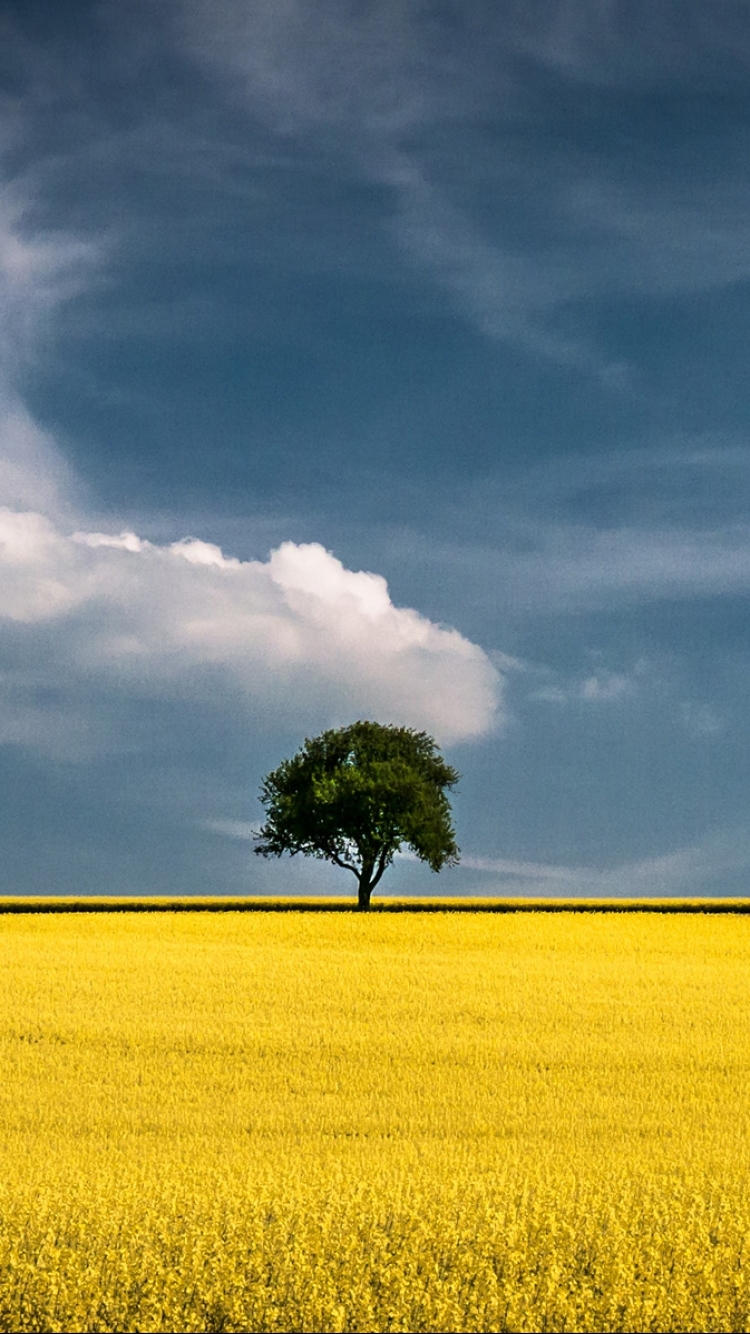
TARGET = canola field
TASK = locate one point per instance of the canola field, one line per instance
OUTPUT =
(264, 1121)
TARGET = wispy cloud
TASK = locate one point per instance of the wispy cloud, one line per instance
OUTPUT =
(243, 830)
(600, 688)
(376, 78)
(534, 872)
(507, 294)
(702, 720)
(633, 42)
(606, 531)
(358, 69)
(690, 870)
(381, 92)
(580, 567)
(525, 243)
(557, 571)
(39, 271)
(33, 472)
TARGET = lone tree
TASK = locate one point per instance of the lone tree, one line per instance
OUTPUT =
(354, 795)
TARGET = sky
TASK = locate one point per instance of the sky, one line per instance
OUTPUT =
(375, 360)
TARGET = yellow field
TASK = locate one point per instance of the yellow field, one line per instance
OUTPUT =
(287, 1121)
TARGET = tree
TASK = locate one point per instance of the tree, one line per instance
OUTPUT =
(354, 795)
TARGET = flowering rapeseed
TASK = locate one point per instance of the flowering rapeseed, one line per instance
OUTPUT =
(272, 1121)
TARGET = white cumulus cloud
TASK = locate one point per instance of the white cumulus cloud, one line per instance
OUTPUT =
(296, 634)
(88, 615)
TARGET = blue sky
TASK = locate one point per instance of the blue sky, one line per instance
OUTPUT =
(375, 360)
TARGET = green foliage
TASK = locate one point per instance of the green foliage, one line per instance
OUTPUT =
(354, 795)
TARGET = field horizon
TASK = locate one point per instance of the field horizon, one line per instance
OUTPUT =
(52, 903)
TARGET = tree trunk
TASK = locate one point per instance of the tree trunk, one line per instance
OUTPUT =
(365, 890)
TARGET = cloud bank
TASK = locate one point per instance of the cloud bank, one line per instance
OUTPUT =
(298, 636)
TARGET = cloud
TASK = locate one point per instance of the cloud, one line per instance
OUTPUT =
(414, 99)
(385, 66)
(387, 92)
(538, 567)
(243, 830)
(32, 470)
(85, 612)
(601, 687)
(296, 636)
(721, 859)
(584, 568)
(568, 877)
(506, 293)
(39, 271)
(631, 527)
(603, 532)
(633, 42)
(376, 77)
(606, 686)
(702, 720)
(360, 69)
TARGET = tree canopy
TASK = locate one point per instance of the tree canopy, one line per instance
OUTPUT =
(354, 795)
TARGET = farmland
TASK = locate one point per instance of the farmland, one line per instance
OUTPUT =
(404, 1122)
